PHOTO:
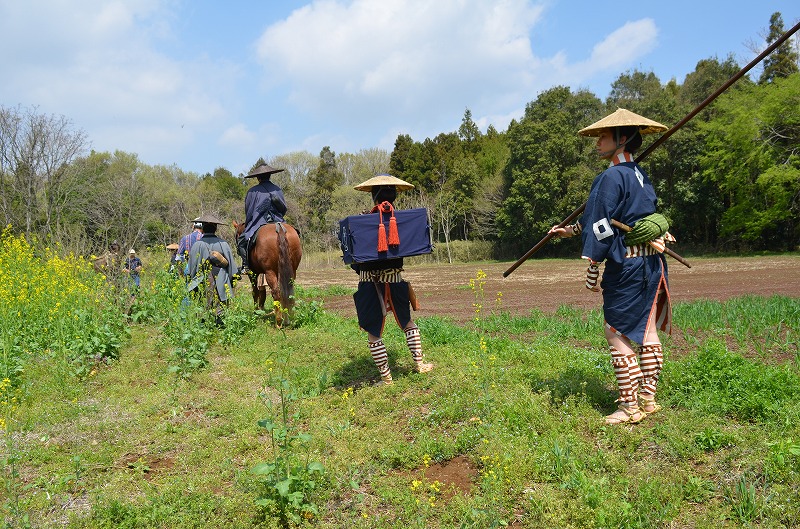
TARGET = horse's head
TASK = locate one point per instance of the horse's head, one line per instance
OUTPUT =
(239, 228)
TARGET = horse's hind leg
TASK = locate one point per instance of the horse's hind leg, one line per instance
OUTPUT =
(275, 291)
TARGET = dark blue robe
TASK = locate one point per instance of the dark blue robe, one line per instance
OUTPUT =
(258, 207)
(632, 287)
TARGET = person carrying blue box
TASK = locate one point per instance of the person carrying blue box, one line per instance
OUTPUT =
(381, 287)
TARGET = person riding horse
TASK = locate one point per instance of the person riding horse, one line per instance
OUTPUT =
(263, 204)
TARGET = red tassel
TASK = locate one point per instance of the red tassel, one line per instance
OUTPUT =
(382, 246)
(394, 237)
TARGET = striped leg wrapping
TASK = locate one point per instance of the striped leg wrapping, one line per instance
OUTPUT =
(652, 360)
(414, 344)
(628, 374)
(380, 357)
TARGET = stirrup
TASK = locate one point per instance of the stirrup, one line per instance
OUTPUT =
(627, 412)
(648, 405)
(422, 367)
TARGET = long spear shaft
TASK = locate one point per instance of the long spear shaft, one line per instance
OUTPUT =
(575, 214)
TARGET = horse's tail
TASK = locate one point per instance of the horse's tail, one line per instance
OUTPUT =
(285, 270)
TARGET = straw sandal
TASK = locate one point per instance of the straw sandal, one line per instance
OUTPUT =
(627, 412)
(648, 404)
(422, 367)
(386, 380)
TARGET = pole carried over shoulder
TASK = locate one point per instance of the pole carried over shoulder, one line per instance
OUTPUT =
(575, 214)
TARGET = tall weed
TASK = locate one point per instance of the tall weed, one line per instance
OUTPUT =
(289, 478)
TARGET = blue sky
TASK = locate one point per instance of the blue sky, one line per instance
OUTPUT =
(205, 84)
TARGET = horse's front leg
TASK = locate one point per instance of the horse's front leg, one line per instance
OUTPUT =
(259, 294)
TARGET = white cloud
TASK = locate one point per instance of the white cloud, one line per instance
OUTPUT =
(619, 49)
(377, 63)
(99, 63)
(623, 46)
(352, 74)
(370, 54)
(238, 135)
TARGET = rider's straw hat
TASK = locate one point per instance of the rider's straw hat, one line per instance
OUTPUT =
(384, 180)
(263, 169)
(623, 118)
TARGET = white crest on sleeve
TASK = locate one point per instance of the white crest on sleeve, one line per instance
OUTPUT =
(602, 229)
(639, 176)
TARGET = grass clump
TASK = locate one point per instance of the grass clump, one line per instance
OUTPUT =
(716, 381)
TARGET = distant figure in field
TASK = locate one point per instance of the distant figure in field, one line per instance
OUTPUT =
(133, 267)
(211, 267)
(110, 264)
(109, 260)
(187, 241)
(174, 264)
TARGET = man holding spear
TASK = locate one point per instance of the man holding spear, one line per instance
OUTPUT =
(635, 287)
(633, 407)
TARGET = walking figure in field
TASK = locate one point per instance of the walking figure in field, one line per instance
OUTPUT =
(185, 246)
(382, 289)
(109, 264)
(635, 287)
(133, 267)
(211, 267)
(174, 263)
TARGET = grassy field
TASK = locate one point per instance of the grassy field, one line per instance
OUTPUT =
(156, 419)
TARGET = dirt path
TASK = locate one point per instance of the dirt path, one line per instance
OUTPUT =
(547, 284)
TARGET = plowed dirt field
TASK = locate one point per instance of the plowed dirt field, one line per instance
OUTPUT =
(546, 284)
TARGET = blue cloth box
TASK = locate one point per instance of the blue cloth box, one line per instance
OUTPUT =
(358, 236)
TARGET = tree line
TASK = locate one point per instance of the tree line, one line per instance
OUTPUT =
(729, 180)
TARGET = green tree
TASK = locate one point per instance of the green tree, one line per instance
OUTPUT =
(35, 151)
(297, 183)
(692, 201)
(223, 185)
(550, 167)
(326, 179)
(362, 165)
(783, 61)
(469, 133)
(708, 76)
(752, 155)
(491, 160)
(399, 156)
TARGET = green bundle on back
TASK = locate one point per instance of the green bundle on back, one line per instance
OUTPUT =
(647, 229)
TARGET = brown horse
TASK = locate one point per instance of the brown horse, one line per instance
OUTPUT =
(274, 258)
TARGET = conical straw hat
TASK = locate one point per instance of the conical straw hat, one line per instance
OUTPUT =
(623, 118)
(209, 219)
(384, 180)
(263, 169)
